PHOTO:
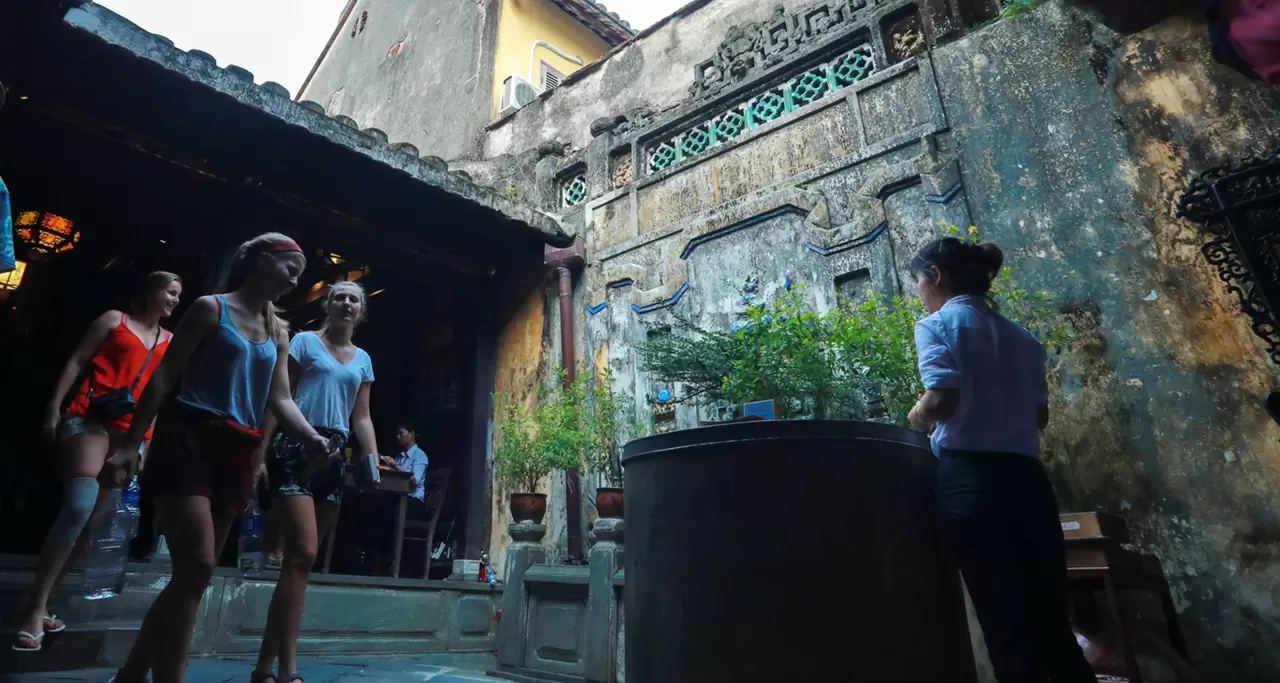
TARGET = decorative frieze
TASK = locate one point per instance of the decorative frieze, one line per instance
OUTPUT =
(750, 50)
(804, 88)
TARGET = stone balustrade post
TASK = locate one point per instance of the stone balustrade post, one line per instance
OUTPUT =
(526, 550)
(605, 559)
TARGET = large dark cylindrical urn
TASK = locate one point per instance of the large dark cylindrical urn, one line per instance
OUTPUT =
(789, 551)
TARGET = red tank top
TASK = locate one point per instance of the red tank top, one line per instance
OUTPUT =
(115, 365)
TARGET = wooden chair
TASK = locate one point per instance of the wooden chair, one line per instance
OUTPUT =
(434, 493)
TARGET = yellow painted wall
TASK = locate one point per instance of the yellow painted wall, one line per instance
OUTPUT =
(524, 21)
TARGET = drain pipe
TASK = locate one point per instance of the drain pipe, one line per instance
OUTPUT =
(565, 263)
(533, 55)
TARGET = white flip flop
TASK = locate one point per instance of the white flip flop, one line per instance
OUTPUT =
(38, 640)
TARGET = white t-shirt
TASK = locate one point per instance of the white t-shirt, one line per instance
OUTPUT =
(327, 389)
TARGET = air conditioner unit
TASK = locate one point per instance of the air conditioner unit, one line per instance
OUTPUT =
(516, 93)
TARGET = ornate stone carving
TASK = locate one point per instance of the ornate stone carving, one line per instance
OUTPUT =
(749, 50)
(621, 169)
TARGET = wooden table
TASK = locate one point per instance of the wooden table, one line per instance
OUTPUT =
(392, 482)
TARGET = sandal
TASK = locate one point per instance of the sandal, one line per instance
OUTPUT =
(52, 624)
(37, 643)
(262, 676)
(295, 677)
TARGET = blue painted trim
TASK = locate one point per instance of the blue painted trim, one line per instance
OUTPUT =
(856, 242)
(945, 197)
(663, 304)
(717, 234)
(618, 284)
(597, 308)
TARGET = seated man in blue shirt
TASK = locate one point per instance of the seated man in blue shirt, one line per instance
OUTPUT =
(413, 460)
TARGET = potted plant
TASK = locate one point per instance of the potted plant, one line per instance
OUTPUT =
(533, 442)
(741, 500)
(607, 431)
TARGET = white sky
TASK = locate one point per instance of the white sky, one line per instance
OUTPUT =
(279, 40)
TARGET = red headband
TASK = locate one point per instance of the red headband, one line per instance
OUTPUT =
(286, 245)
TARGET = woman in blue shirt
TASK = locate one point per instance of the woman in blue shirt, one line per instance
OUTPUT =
(985, 402)
(331, 379)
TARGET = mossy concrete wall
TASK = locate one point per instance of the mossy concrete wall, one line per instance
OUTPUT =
(1070, 144)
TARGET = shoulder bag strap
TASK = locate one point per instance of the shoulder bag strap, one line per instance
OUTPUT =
(138, 380)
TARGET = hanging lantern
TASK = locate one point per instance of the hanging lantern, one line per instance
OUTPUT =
(46, 234)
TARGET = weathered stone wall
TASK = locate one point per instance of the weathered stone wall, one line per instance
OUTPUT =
(1074, 145)
(650, 73)
(422, 72)
(1068, 145)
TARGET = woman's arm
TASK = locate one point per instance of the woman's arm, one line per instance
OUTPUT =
(280, 402)
(940, 376)
(362, 422)
(89, 345)
(194, 327)
(269, 422)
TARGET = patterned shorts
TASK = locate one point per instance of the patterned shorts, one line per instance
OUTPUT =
(287, 462)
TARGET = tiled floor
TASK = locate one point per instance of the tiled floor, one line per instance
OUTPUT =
(446, 668)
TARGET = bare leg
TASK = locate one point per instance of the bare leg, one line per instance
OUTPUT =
(196, 537)
(297, 522)
(273, 540)
(85, 455)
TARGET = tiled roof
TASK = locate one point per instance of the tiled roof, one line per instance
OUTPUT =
(272, 99)
(611, 28)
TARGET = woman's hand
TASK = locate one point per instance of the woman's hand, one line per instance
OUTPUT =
(918, 422)
(318, 445)
(123, 464)
(52, 419)
(260, 477)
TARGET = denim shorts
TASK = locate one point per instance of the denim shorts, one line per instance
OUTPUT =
(72, 426)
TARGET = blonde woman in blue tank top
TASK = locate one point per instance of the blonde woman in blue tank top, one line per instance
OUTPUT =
(200, 468)
(332, 378)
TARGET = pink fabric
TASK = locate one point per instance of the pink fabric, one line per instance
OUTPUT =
(1255, 34)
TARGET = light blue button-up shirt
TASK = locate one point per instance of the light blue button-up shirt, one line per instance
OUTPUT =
(414, 461)
(999, 369)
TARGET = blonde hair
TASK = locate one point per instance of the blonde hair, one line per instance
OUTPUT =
(328, 299)
(154, 282)
(245, 260)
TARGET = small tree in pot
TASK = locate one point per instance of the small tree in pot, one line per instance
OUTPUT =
(533, 442)
(607, 430)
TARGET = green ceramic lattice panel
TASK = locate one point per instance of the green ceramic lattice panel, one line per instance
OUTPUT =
(853, 67)
(731, 124)
(802, 90)
(663, 156)
(575, 190)
(767, 108)
(696, 141)
(810, 87)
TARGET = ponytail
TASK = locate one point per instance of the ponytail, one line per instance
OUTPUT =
(243, 263)
(972, 266)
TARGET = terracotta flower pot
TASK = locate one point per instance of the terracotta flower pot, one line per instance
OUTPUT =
(528, 507)
(609, 502)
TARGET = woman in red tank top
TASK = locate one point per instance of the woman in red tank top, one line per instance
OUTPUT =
(118, 351)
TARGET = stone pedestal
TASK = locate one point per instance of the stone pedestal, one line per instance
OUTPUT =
(605, 558)
(525, 551)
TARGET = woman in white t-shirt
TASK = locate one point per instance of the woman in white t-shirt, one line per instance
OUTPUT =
(331, 378)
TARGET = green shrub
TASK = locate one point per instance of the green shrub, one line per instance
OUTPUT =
(856, 362)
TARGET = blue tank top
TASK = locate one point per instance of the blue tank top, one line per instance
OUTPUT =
(228, 375)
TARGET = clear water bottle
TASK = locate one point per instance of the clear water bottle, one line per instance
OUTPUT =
(252, 559)
(109, 535)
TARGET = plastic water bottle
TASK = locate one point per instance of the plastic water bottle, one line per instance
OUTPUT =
(252, 559)
(109, 535)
